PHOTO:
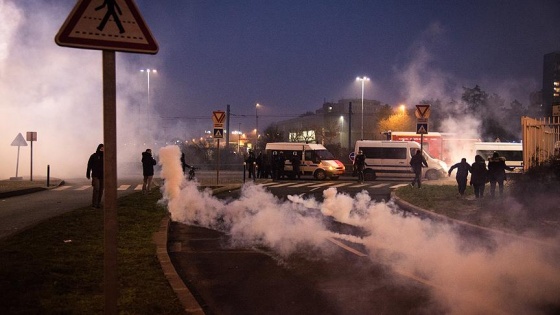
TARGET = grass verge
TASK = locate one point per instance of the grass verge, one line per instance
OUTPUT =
(56, 267)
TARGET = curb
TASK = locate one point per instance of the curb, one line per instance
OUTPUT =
(185, 296)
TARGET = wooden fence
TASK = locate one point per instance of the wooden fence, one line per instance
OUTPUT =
(541, 140)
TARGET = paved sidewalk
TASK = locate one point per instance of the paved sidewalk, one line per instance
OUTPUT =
(10, 188)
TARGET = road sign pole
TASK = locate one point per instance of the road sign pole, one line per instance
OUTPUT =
(110, 182)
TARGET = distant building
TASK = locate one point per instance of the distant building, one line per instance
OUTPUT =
(333, 124)
(551, 82)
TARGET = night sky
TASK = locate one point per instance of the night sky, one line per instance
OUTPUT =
(288, 56)
(297, 54)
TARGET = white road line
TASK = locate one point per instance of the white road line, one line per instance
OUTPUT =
(123, 187)
(138, 187)
(302, 184)
(359, 185)
(379, 185)
(281, 185)
(348, 248)
(321, 185)
(343, 184)
(83, 187)
(62, 188)
(399, 185)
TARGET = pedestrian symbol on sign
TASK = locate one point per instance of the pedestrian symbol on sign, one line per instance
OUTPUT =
(111, 6)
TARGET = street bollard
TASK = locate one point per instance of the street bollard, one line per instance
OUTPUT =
(48, 175)
(244, 169)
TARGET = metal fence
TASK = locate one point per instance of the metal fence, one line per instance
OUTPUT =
(541, 140)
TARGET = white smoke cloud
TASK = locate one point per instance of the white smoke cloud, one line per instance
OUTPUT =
(57, 92)
(511, 276)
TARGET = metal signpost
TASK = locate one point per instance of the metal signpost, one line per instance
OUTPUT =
(108, 26)
(31, 136)
(218, 117)
(422, 114)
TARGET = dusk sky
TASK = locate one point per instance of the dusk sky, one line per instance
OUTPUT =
(288, 56)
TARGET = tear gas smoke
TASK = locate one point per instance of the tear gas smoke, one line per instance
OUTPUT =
(513, 277)
(57, 92)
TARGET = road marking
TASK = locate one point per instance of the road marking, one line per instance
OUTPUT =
(302, 184)
(346, 247)
(138, 187)
(83, 187)
(123, 187)
(399, 185)
(359, 185)
(321, 185)
(342, 184)
(379, 185)
(62, 188)
(281, 185)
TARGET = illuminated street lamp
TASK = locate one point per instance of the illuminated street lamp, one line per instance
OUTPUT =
(148, 71)
(257, 125)
(363, 79)
(402, 108)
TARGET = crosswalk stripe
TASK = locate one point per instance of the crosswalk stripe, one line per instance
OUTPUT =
(399, 185)
(123, 187)
(62, 188)
(138, 187)
(281, 185)
(342, 184)
(321, 185)
(358, 185)
(303, 184)
(379, 185)
(83, 187)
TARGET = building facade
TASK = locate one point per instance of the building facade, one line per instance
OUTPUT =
(551, 83)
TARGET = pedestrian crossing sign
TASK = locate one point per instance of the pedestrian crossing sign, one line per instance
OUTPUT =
(422, 128)
(218, 133)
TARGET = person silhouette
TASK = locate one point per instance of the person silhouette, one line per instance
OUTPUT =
(111, 6)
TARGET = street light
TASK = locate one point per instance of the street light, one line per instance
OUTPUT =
(402, 108)
(257, 125)
(148, 71)
(363, 79)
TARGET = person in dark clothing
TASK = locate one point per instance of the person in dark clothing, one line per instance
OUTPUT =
(251, 164)
(416, 162)
(280, 163)
(296, 166)
(148, 163)
(260, 165)
(463, 169)
(497, 173)
(95, 172)
(478, 176)
(184, 164)
(359, 165)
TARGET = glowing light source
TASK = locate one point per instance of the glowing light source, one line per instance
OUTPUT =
(363, 79)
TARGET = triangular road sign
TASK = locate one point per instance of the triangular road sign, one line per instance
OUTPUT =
(218, 116)
(421, 128)
(423, 111)
(218, 133)
(107, 25)
(19, 141)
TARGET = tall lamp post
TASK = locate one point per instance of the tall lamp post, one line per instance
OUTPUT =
(363, 79)
(257, 125)
(148, 71)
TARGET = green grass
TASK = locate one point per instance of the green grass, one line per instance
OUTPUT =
(56, 267)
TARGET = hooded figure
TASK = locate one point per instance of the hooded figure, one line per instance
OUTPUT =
(478, 176)
(95, 168)
(463, 169)
(497, 172)
(148, 163)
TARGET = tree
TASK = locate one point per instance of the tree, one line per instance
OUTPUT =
(475, 99)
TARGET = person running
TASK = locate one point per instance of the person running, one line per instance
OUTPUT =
(478, 176)
(497, 173)
(463, 169)
(417, 162)
(95, 168)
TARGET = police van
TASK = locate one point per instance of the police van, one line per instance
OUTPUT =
(392, 159)
(512, 152)
(315, 159)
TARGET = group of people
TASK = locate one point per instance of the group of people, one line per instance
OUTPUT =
(260, 167)
(480, 174)
(95, 171)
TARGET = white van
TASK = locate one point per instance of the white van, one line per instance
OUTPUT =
(512, 152)
(315, 159)
(392, 159)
